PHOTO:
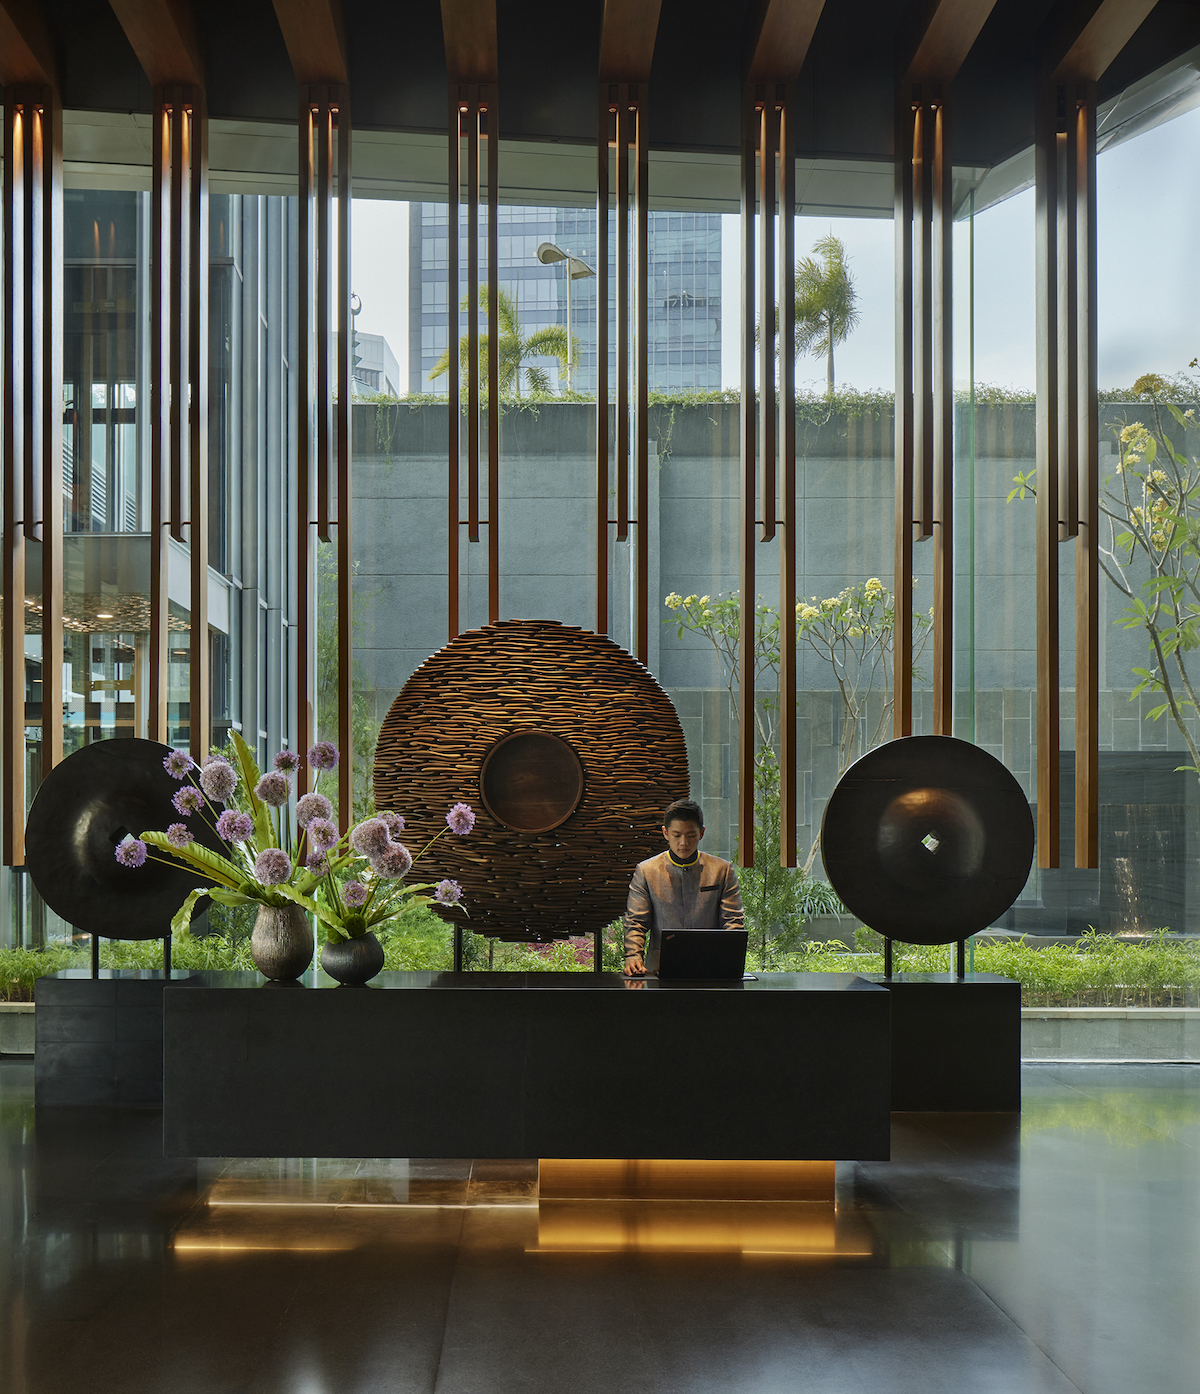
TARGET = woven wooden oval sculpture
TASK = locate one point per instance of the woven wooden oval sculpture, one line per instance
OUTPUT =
(550, 686)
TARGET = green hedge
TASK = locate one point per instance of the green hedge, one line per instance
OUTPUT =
(1100, 971)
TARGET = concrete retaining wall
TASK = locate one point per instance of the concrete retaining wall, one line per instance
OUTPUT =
(1110, 1033)
(16, 1028)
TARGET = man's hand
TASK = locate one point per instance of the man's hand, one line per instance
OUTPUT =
(635, 964)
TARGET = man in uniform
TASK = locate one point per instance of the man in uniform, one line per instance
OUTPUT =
(681, 888)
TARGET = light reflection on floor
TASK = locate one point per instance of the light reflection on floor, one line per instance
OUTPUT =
(1057, 1252)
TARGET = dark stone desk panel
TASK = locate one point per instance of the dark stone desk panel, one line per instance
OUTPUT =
(956, 1042)
(529, 1065)
(98, 1041)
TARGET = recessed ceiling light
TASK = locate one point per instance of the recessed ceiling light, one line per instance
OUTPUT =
(103, 615)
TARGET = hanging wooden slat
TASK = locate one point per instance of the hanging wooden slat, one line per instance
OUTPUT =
(606, 123)
(907, 151)
(789, 792)
(453, 483)
(199, 666)
(749, 505)
(306, 594)
(490, 129)
(622, 269)
(1087, 473)
(941, 413)
(32, 426)
(641, 348)
(1048, 513)
(344, 482)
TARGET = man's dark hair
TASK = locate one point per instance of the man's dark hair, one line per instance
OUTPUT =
(683, 811)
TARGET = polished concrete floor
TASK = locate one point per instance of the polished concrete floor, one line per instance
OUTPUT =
(1057, 1252)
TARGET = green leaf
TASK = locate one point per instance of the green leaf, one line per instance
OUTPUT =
(230, 898)
(263, 827)
(181, 921)
(327, 917)
(200, 858)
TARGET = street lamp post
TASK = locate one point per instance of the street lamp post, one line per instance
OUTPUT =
(548, 253)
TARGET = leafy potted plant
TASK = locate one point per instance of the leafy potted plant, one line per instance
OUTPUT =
(351, 882)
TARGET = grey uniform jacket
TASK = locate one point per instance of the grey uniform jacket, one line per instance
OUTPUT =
(665, 896)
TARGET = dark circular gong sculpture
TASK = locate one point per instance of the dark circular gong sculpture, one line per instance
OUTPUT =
(568, 751)
(84, 807)
(927, 839)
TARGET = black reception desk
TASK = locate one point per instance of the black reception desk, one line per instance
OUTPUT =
(571, 1065)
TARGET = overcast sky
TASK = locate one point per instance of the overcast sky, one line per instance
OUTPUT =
(1149, 275)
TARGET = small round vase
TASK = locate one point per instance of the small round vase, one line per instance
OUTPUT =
(353, 962)
(282, 942)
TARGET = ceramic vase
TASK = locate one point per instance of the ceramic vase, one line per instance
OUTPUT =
(282, 942)
(353, 962)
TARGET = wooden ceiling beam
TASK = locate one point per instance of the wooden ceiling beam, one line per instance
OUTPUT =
(315, 34)
(778, 36)
(469, 28)
(627, 39)
(26, 48)
(1082, 38)
(938, 35)
(162, 33)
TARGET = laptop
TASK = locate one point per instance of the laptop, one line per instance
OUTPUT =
(712, 955)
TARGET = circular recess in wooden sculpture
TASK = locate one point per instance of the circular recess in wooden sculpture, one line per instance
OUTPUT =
(531, 781)
(535, 686)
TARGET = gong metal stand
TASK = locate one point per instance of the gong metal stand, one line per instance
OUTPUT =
(961, 958)
(95, 955)
(887, 957)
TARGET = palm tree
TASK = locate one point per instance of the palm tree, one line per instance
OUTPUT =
(826, 302)
(550, 342)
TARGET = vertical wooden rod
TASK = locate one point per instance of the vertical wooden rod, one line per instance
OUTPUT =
(748, 595)
(942, 409)
(1068, 319)
(642, 382)
(1048, 329)
(622, 268)
(305, 733)
(922, 310)
(1087, 544)
(15, 311)
(768, 125)
(179, 204)
(199, 683)
(324, 289)
(161, 322)
(52, 435)
(603, 158)
(345, 496)
(492, 131)
(788, 776)
(902, 655)
(473, 318)
(454, 187)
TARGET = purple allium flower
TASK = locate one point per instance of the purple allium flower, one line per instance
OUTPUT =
(274, 788)
(272, 867)
(188, 800)
(318, 862)
(310, 806)
(178, 763)
(131, 852)
(461, 819)
(234, 826)
(179, 835)
(448, 893)
(287, 761)
(322, 834)
(213, 758)
(393, 862)
(354, 893)
(323, 755)
(395, 825)
(218, 780)
(370, 838)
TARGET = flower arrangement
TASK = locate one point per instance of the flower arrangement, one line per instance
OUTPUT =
(351, 882)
